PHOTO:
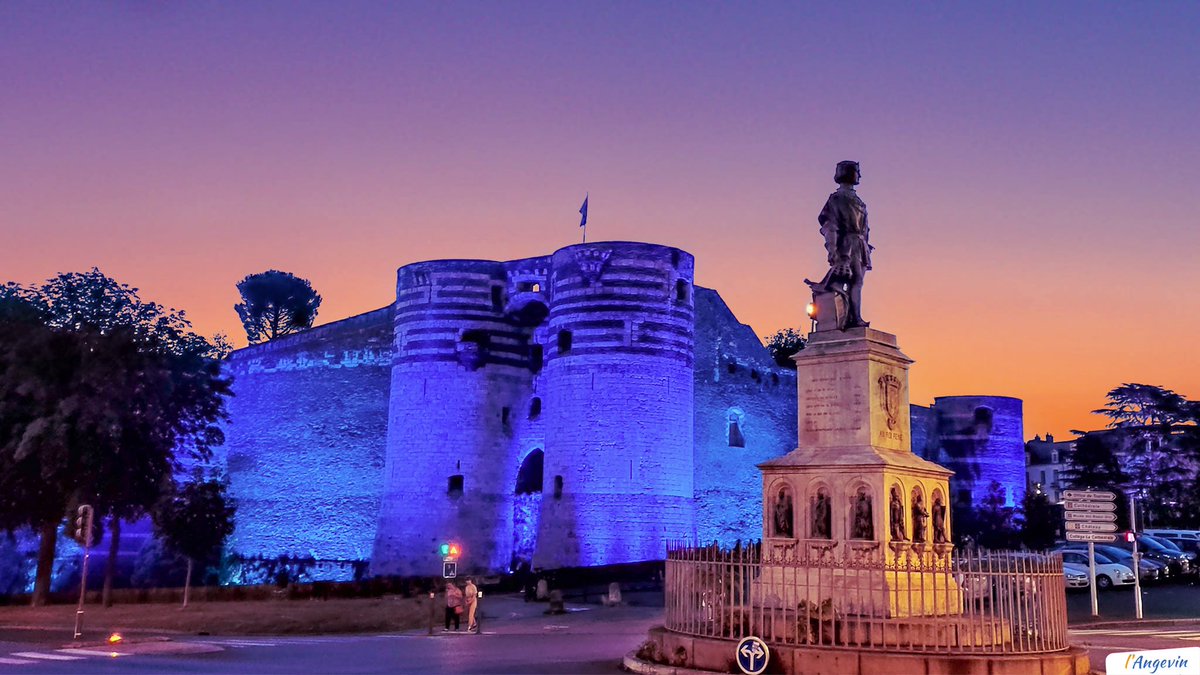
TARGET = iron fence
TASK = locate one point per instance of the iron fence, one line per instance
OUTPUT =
(917, 600)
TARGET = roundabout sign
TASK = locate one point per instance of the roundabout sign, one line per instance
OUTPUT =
(752, 655)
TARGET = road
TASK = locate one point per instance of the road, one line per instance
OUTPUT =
(517, 638)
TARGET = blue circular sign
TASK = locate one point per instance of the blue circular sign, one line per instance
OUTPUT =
(752, 655)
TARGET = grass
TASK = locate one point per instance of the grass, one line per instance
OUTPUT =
(250, 617)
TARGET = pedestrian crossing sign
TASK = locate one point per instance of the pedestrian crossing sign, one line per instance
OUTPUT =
(449, 569)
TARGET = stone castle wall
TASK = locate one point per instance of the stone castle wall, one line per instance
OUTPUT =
(981, 439)
(305, 441)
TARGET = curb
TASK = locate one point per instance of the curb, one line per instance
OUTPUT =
(633, 664)
(1133, 623)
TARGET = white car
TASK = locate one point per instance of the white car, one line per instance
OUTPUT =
(1077, 577)
(1108, 573)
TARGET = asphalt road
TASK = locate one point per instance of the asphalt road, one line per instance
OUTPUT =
(517, 638)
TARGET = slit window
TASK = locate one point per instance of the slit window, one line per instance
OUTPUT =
(558, 487)
(564, 341)
(497, 298)
(736, 439)
(681, 290)
(535, 407)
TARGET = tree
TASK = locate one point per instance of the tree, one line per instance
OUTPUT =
(1093, 464)
(276, 303)
(1158, 433)
(101, 395)
(194, 522)
(992, 524)
(783, 344)
(1039, 518)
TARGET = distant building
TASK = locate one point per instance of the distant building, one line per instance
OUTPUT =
(1045, 462)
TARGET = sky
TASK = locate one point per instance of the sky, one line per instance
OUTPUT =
(1031, 169)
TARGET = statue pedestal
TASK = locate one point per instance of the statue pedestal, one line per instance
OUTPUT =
(854, 485)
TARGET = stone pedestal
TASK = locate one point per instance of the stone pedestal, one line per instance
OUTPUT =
(853, 484)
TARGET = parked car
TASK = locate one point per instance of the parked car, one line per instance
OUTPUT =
(1149, 570)
(1149, 548)
(1108, 573)
(1190, 556)
(1077, 576)
(1188, 540)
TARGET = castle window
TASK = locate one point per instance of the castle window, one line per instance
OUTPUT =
(536, 288)
(564, 341)
(497, 298)
(536, 358)
(455, 486)
(734, 430)
(535, 407)
(558, 487)
(681, 289)
(732, 368)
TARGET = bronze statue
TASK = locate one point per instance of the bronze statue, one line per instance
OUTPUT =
(939, 521)
(919, 517)
(897, 516)
(783, 514)
(864, 525)
(844, 226)
(821, 517)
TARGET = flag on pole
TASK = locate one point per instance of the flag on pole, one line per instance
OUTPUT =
(583, 211)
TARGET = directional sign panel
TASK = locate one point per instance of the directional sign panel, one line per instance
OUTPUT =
(1089, 495)
(1092, 516)
(1096, 537)
(1090, 506)
(1074, 526)
(752, 655)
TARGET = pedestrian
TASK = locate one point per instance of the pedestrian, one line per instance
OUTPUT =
(471, 598)
(454, 605)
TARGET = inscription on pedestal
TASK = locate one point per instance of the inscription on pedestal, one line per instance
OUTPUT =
(827, 400)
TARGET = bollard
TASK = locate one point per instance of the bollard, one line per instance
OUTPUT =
(432, 609)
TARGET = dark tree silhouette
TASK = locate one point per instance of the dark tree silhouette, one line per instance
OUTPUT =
(100, 394)
(783, 344)
(1038, 530)
(276, 303)
(194, 522)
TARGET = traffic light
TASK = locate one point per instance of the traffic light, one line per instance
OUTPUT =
(1129, 537)
(83, 525)
(450, 550)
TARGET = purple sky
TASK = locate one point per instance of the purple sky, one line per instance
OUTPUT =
(1031, 168)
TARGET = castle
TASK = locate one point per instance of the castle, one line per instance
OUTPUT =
(575, 409)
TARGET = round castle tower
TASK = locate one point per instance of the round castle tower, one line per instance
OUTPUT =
(540, 410)
(982, 439)
(619, 399)
(461, 380)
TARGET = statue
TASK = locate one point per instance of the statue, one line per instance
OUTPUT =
(821, 517)
(864, 526)
(783, 514)
(919, 517)
(939, 521)
(844, 226)
(897, 516)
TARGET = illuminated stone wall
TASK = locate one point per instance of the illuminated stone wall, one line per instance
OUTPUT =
(745, 415)
(981, 439)
(304, 445)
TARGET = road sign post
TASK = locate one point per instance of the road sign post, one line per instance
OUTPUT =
(1089, 515)
(1137, 580)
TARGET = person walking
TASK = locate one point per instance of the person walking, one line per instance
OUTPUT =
(471, 598)
(454, 605)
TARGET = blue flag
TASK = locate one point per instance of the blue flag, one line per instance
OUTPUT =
(583, 212)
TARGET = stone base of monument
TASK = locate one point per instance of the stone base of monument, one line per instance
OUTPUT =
(667, 652)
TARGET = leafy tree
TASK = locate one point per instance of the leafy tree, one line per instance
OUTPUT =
(194, 522)
(276, 303)
(1093, 464)
(100, 396)
(784, 344)
(1158, 434)
(998, 523)
(1038, 528)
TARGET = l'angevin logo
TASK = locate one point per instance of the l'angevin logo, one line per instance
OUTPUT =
(1155, 662)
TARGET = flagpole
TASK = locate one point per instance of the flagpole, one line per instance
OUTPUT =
(583, 212)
